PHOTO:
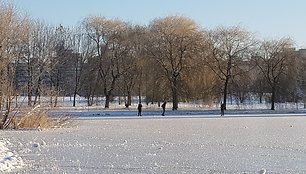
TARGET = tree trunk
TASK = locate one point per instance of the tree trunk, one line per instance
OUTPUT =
(29, 99)
(139, 96)
(75, 93)
(74, 96)
(51, 101)
(36, 99)
(37, 92)
(174, 94)
(1, 102)
(129, 98)
(273, 98)
(260, 97)
(108, 93)
(55, 100)
(76, 79)
(89, 100)
(6, 114)
(107, 100)
(139, 92)
(225, 92)
(29, 94)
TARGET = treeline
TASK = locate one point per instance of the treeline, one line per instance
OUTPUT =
(171, 59)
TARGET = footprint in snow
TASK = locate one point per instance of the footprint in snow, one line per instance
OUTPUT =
(263, 171)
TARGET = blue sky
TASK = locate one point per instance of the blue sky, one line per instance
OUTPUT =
(266, 18)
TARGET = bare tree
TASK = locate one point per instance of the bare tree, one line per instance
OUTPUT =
(38, 57)
(13, 33)
(133, 78)
(272, 60)
(84, 50)
(230, 49)
(109, 37)
(301, 67)
(67, 62)
(173, 42)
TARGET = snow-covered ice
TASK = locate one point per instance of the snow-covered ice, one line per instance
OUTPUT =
(156, 144)
(8, 160)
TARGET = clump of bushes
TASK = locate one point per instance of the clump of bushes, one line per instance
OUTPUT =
(37, 118)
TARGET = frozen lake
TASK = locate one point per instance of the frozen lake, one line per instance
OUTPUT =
(165, 145)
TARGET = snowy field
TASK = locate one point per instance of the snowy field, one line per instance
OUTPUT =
(237, 143)
(195, 139)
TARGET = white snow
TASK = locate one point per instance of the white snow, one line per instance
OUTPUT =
(178, 143)
(193, 140)
(8, 160)
(263, 171)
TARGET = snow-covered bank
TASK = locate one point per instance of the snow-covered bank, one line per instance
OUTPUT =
(166, 145)
(8, 160)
